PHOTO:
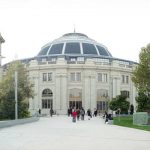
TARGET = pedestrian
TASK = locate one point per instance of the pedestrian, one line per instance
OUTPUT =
(95, 113)
(106, 117)
(78, 114)
(51, 112)
(89, 114)
(82, 112)
(39, 111)
(74, 115)
(69, 112)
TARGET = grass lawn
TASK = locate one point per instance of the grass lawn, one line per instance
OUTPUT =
(127, 121)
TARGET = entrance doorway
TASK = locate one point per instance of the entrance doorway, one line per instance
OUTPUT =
(75, 104)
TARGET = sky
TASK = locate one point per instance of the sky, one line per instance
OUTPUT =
(123, 26)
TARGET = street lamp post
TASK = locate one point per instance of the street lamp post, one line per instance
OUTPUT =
(16, 95)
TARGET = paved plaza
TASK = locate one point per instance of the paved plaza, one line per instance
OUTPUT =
(59, 133)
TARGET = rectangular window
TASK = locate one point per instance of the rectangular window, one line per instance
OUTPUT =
(105, 78)
(123, 79)
(44, 76)
(127, 79)
(125, 93)
(72, 77)
(49, 76)
(78, 76)
(46, 103)
(99, 77)
(80, 59)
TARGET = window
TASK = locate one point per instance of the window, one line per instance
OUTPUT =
(72, 78)
(102, 77)
(44, 77)
(125, 93)
(47, 93)
(102, 94)
(47, 103)
(47, 99)
(78, 76)
(105, 77)
(102, 50)
(125, 79)
(75, 76)
(99, 77)
(102, 106)
(80, 59)
(72, 48)
(89, 48)
(56, 49)
(47, 76)
(72, 59)
(44, 51)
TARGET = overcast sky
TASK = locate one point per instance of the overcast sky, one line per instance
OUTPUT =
(123, 26)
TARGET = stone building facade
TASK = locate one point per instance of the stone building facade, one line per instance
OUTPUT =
(76, 71)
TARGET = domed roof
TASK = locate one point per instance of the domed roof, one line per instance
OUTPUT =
(74, 44)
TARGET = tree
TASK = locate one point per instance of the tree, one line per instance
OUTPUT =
(141, 79)
(7, 92)
(119, 102)
(143, 101)
(141, 74)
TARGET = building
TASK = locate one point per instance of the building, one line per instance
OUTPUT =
(76, 71)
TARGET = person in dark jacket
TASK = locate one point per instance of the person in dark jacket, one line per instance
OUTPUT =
(89, 114)
(95, 113)
(78, 114)
(106, 117)
(51, 112)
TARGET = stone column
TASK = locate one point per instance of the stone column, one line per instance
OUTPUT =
(116, 86)
(89, 91)
(61, 93)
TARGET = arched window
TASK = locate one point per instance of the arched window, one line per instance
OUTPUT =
(47, 93)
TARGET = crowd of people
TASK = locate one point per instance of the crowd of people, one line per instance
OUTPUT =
(78, 114)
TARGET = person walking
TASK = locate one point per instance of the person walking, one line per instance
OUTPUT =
(82, 112)
(89, 114)
(74, 115)
(95, 113)
(69, 112)
(39, 111)
(78, 114)
(51, 112)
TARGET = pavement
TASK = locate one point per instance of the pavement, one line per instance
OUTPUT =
(60, 133)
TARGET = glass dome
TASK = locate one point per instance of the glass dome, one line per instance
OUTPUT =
(74, 44)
